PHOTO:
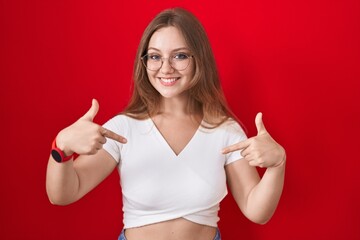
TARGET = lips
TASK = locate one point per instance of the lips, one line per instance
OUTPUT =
(168, 81)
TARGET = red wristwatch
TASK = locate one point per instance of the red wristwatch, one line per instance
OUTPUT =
(58, 155)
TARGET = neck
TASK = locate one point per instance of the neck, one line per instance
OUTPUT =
(175, 106)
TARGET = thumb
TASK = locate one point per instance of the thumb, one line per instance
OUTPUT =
(259, 124)
(91, 113)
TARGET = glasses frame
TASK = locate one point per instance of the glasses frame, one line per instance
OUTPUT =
(143, 59)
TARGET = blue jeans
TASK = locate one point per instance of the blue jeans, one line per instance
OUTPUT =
(217, 236)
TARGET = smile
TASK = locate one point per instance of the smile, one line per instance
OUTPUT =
(168, 81)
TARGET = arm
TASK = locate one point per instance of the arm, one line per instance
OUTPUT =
(257, 198)
(67, 182)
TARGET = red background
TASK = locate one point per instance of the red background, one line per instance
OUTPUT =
(296, 61)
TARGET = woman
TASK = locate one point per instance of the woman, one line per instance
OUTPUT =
(176, 144)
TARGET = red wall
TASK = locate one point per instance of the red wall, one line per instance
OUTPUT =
(296, 61)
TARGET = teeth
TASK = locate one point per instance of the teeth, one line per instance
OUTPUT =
(168, 80)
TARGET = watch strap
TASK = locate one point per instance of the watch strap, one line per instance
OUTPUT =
(58, 154)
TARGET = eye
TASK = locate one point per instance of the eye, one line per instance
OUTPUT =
(180, 56)
(154, 57)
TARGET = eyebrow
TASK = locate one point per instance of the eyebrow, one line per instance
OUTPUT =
(174, 50)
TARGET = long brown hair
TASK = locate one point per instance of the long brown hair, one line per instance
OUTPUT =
(205, 92)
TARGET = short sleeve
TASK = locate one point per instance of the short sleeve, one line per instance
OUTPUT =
(118, 126)
(234, 134)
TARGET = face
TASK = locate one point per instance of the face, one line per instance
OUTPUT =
(169, 43)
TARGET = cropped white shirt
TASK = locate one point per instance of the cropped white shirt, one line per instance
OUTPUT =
(158, 185)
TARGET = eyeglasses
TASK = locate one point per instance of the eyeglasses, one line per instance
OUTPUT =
(178, 61)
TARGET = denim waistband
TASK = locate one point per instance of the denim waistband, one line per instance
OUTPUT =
(217, 236)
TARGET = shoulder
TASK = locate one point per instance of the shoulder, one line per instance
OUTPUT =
(231, 127)
(123, 121)
(125, 118)
(118, 122)
(128, 117)
(228, 125)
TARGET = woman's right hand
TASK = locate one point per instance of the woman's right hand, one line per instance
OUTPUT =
(85, 137)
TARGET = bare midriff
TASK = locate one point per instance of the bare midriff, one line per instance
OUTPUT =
(176, 229)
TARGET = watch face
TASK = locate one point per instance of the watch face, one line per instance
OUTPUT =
(56, 155)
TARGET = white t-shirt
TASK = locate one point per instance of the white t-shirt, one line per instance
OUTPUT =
(158, 185)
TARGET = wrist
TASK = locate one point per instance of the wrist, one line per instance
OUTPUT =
(59, 143)
(282, 162)
(59, 155)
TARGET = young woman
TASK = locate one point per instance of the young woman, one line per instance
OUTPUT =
(176, 145)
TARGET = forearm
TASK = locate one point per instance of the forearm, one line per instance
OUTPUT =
(62, 182)
(264, 197)
(68, 181)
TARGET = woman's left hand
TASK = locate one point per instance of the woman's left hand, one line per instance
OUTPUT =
(261, 150)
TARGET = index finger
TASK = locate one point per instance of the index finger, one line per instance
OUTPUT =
(110, 134)
(236, 147)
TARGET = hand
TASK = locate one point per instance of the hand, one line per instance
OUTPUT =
(84, 136)
(261, 150)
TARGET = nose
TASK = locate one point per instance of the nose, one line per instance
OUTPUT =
(166, 67)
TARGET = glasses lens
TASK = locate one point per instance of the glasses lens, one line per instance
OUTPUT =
(152, 62)
(179, 61)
